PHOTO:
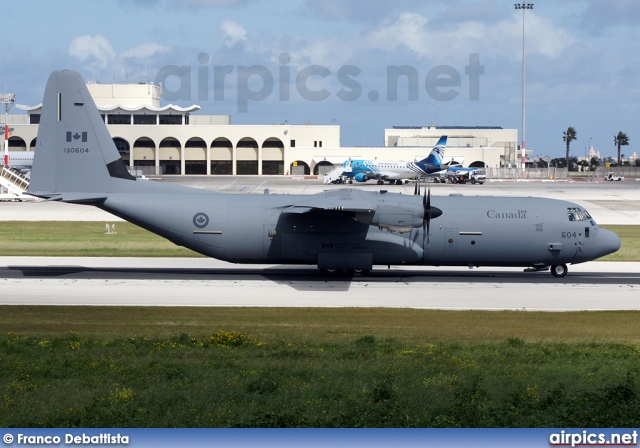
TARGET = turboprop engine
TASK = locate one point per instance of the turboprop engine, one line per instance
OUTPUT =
(402, 217)
(397, 218)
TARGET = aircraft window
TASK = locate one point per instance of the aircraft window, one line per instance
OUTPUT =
(576, 214)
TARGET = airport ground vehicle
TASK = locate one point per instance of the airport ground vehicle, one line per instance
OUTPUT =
(462, 176)
(611, 176)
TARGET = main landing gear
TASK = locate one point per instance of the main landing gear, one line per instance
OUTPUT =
(557, 270)
(345, 272)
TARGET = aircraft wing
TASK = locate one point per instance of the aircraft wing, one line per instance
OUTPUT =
(343, 200)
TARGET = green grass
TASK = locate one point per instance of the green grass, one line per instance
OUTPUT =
(282, 367)
(630, 247)
(323, 325)
(227, 379)
(88, 239)
(83, 239)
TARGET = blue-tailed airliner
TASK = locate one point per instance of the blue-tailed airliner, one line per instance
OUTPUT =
(363, 170)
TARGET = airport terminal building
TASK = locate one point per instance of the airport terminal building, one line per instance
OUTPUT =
(154, 139)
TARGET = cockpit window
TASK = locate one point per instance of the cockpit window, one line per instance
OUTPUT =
(577, 214)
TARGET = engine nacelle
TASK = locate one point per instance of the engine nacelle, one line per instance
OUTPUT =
(361, 177)
(393, 217)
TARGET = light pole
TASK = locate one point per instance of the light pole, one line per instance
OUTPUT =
(7, 99)
(523, 7)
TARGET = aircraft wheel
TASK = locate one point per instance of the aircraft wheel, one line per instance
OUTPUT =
(331, 271)
(362, 272)
(380, 182)
(559, 270)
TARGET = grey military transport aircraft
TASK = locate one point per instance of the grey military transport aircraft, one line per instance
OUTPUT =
(339, 230)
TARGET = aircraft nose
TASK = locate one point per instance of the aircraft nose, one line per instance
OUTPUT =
(607, 242)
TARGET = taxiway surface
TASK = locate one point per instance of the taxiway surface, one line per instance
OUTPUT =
(208, 282)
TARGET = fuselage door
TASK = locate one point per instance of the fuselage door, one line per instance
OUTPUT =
(583, 242)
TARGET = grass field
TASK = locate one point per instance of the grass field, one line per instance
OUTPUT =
(83, 239)
(256, 367)
(78, 239)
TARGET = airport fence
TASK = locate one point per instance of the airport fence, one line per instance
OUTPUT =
(632, 172)
(551, 173)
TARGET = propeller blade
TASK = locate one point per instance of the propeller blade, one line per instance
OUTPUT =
(425, 232)
(429, 214)
(415, 188)
(434, 212)
(426, 218)
(427, 199)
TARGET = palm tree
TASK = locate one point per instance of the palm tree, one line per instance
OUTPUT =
(569, 136)
(620, 140)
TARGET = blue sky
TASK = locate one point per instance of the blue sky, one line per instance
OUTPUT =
(332, 61)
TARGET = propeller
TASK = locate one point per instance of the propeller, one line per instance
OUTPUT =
(429, 214)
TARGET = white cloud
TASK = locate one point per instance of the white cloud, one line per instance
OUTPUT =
(95, 50)
(98, 56)
(407, 29)
(412, 30)
(232, 33)
(414, 33)
(144, 51)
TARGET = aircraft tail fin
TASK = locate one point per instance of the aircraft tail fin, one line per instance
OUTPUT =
(436, 156)
(74, 150)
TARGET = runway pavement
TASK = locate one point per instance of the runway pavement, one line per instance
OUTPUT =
(208, 282)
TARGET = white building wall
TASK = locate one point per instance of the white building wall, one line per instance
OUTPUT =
(310, 145)
(129, 95)
(496, 146)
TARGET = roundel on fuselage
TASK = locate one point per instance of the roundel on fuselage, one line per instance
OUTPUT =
(200, 220)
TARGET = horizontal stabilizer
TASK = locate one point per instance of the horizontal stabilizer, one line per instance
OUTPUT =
(74, 198)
